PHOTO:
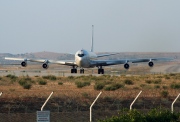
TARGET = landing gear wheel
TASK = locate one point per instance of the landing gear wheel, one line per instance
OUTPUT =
(73, 70)
(81, 71)
(100, 71)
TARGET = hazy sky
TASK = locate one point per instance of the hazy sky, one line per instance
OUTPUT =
(65, 25)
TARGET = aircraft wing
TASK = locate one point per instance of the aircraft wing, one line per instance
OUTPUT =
(107, 62)
(123, 61)
(68, 62)
(102, 55)
(150, 59)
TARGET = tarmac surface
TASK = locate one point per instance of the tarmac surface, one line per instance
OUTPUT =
(36, 70)
(171, 68)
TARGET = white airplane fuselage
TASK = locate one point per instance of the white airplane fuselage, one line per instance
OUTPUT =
(83, 58)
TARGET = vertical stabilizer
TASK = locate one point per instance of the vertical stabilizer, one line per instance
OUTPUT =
(92, 46)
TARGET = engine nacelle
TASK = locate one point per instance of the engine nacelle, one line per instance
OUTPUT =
(45, 65)
(151, 64)
(126, 66)
(24, 64)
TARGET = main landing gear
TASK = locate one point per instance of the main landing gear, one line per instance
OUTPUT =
(74, 70)
(81, 71)
(100, 70)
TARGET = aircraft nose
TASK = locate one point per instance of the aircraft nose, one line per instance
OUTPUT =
(79, 62)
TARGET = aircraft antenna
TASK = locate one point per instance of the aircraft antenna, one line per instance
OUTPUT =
(92, 38)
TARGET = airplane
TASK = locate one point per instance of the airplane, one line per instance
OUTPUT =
(88, 59)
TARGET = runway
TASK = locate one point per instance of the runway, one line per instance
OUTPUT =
(36, 70)
(171, 68)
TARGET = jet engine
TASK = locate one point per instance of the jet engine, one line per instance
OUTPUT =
(45, 65)
(24, 64)
(126, 66)
(151, 64)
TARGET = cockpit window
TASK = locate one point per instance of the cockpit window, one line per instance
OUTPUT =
(81, 53)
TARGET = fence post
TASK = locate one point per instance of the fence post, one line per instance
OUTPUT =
(173, 103)
(46, 101)
(135, 100)
(92, 106)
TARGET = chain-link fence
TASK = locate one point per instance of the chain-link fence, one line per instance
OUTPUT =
(73, 106)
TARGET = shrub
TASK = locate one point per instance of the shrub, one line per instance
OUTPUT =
(159, 77)
(164, 87)
(142, 85)
(128, 82)
(135, 87)
(27, 86)
(49, 77)
(22, 82)
(26, 79)
(130, 116)
(80, 84)
(154, 115)
(108, 98)
(12, 77)
(164, 93)
(60, 83)
(99, 85)
(26, 82)
(172, 74)
(167, 77)
(70, 77)
(175, 86)
(85, 95)
(113, 87)
(157, 81)
(148, 81)
(156, 86)
(42, 82)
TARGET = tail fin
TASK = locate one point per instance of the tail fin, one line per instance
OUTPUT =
(92, 46)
